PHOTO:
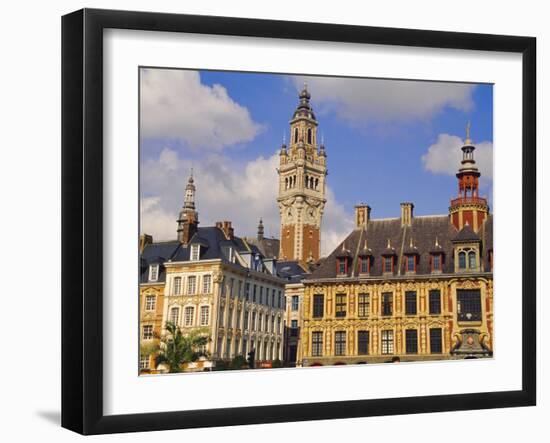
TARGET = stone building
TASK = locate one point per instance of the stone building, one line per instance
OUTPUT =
(213, 281)
(406, 288)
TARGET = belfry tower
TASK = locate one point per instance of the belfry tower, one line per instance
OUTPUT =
(188, 220)
(468, 207)
(302, 178)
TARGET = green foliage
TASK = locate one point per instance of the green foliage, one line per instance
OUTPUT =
(277, 364)
(238, 362)
(221, 365)
(176, 348)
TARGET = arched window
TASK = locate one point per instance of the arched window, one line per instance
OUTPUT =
(309, 135)
(307, 181)
(296, 135)
(472, 260)
(286, 183)
(462, 260)
(316, 183)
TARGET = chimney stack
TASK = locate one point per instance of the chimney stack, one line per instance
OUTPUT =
(362, 215)
(226, 227)
(406, 213)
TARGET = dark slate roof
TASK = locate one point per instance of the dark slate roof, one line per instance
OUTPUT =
(269, 247)
(291, 271)
(424, 230)
(466, 234)
(214, 245)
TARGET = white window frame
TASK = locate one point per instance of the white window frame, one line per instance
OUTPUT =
(192, 278)
(153, 272)
(206, 284)
(195, 253)
(144, 362)
(188, 320)
(143, 332)
(153, 306)
(204, 315)
(171, 316)
(178, 286)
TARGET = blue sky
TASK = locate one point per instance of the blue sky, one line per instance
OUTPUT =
(387, 142)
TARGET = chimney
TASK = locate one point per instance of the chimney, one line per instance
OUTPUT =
(144, 240)
(227, 229)
(362, 215)
(406, 213)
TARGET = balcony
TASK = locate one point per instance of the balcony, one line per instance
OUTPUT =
(469, 201)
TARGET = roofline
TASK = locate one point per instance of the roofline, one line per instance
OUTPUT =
(399, 277)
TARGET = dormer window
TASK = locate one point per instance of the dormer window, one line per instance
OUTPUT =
(153, 272)
(342, 266)
(195, 252)
(437, 263)
(388, 264)
(468, 259)
(411, 263)
(472, 262)
(364, 264)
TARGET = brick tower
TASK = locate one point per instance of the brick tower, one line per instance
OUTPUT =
(302, 173)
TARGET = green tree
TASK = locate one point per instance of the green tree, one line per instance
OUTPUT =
(177, 348)
(238, 362)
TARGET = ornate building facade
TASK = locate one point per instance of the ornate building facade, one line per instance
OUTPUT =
(301, 199)
(406, 288)
(211, 281)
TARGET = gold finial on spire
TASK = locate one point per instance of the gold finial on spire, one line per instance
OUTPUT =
(436, 242)
(389, 244)
(468, 127)
(305, 85)
(411, 242)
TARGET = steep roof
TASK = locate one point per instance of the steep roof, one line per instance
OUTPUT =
(291, 271)
(269, 247)
(424, 231)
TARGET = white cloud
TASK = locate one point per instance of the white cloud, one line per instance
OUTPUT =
(444, 156)
(225, 191)
(176, 105)
(375, 100)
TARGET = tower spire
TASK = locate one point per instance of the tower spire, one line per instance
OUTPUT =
(188, 219)
(261, 229)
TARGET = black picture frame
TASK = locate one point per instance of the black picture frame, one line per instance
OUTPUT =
(82, 218)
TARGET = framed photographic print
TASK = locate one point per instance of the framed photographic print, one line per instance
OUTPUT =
(269, 221)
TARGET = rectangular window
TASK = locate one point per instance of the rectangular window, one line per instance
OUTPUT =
(295, 302)
(318, 305)
(317, 344)
(221, 316)
(436, 262)
(247, 291)
(254, 294)
(230, 318)
(240, 290)
(362, 342)
(294, 328)
(206, 284)
(228, 348)
(195, 252)
(462, 260)
(340, 305)
(340, 343)
(388, 264)
(147, 332)
(253, 320)
(363, 305)
(468, 305)
(191, 284)
(387, 342)
(436, 342)
(177, 285)
(342, 266)
(174, 315)
(435, 302)
(260, 318)
(410, 303)
(238, 320)
(143, 362)
(273, 294)
(153, 272)
(273, 323)
(188, 316)
(364, 266)
(387, 303)
(150, 302)
(279, 325)
(411, 341)
(231, 287)
(411, 263)
(245, 319)
(205, 315)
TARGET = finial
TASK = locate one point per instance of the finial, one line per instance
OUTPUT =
(389, 244)
(468, 127)
(322, 139)
(305, 86)
(344, 246)
(284, 137)
(436, 242)
(411, 243)
(366, 247)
